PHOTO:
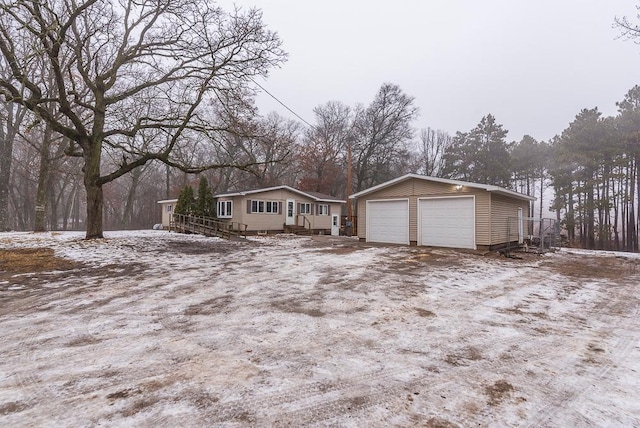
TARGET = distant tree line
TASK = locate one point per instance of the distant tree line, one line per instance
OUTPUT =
(95, 128)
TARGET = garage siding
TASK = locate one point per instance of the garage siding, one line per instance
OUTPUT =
(483, 226)
(414, 189)
(501, 209)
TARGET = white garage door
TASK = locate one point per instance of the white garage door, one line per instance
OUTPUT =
(388, 221)
(447, 222)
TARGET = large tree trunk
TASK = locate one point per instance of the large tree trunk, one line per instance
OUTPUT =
(13, 117)
(636, 192)
(127, 216)
(43, 181)
(613, 216)
(93, 188)
(632, 236)
(167, 183)
(6, 149)
(590, 216)
(571, 223)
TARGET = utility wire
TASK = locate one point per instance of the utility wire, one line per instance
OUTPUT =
(281, 103)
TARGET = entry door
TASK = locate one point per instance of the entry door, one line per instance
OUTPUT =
(335, 225)
(290, 218)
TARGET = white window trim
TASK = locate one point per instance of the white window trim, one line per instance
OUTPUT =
(264, 203)
(323, 209)
(273, 204)
(225, 215)
(305, 208)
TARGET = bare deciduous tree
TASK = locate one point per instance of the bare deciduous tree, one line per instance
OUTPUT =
(431, 149)
(381, 133)
(11, 116)
(322, 155)
(128, 69)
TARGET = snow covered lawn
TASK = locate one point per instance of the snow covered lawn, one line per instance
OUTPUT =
(155, 329)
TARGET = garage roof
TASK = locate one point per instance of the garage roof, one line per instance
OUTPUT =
(489, 188)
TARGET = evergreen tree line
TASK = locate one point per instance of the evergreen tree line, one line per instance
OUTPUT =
(201, 204)
(591, 166)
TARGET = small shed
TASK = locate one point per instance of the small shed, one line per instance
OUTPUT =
(168, 205)
(431, 211)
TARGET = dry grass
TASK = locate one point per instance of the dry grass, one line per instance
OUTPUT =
(32, 260)
(498, 392)
(596, 267)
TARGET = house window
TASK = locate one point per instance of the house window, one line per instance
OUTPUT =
(272, 207)
(259, 207)
(225, 209)
(305, 208)
(169, 208)
(323, 209)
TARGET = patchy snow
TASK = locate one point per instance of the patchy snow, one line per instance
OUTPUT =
(161, 329)
(599, 253)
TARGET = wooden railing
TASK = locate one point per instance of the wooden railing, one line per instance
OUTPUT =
(305, 221)
(207, 226)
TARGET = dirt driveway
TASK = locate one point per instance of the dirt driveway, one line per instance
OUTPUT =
(156, 329)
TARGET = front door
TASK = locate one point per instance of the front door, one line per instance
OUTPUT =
(335, 225)
(290, 212)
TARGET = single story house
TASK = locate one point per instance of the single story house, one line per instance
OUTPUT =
(430, 211)
(168, 205)
(274, 209)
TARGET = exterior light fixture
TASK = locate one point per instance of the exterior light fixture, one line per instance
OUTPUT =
(458, 187)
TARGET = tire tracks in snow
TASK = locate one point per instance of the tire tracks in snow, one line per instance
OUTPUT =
(559, 401)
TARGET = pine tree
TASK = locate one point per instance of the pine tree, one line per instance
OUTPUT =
(186, 202)
(204, 203)
(482, 155)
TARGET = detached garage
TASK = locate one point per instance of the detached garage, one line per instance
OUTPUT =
(430, 211)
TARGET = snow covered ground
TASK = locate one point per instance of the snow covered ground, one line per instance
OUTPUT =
(156, 329)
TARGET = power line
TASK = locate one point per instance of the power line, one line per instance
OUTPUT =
(282, 104)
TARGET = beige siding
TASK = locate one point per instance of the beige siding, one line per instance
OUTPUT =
(361, 212)
(415, 189)
(273, 222)
(166, 215)
(503, 208)
(483, 213)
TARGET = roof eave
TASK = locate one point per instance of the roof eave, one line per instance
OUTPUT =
(331, 201)
(269, 189)
(488, 188)
(516, 195)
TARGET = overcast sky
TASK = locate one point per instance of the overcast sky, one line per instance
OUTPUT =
(532, 64)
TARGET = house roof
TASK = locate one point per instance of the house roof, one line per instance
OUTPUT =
(167, 201)
(316, 196)
(489, 188)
